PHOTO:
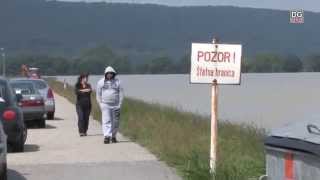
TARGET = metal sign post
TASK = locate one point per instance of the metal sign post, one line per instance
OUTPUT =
(214, 125)
(214, 119)
(213, 63)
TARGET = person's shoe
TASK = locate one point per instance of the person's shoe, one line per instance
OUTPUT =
(85, 134)
(107, 140)
(82, 134)
(114, 140)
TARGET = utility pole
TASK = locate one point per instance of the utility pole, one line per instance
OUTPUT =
(3, 54)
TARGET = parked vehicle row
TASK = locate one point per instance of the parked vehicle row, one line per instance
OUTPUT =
(21, 101)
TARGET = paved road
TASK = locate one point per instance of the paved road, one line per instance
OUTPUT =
(57, 152)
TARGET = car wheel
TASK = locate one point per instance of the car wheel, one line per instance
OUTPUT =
(3, 175)
(42, 123)
(18, 146)
(50, 115)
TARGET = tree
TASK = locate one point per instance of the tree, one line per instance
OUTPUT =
(123, 65)
(48, 65)
(292, 63)
(246, 65)
(312, 63)
(267, 63)
(161, 65)
(96, 59)
(183, 65)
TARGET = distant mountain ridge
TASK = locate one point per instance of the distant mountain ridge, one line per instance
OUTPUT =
(65, 28)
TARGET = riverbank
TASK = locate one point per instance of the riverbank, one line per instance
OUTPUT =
(182, 139)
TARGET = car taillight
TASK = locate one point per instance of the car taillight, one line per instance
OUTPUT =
(9, 115)
(28, 103)
(50, 94)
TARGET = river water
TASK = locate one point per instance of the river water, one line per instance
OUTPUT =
(265, 100)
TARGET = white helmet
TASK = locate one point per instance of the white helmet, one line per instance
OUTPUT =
(109, 69)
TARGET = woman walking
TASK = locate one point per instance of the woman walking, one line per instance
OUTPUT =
(83, 92)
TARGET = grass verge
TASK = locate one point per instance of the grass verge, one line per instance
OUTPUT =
(182, 139)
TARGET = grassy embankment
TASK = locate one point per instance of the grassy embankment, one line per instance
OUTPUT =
(182, 139)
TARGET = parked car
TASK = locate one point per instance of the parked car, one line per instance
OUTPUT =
(47, 94)
(32, 103)
(12, 117)
(3, 150)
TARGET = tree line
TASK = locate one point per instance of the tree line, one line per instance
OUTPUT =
(94, 61)
(269, 63)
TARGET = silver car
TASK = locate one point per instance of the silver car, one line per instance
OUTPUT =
(32, 103)
(47, 95)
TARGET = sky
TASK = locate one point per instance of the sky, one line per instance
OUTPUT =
(306, 5)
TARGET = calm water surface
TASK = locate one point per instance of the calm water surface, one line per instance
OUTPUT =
(266, 100)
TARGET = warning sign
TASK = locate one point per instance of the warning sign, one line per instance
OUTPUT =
(216, 61)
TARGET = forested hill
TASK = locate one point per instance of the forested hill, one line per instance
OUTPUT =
(65, 28)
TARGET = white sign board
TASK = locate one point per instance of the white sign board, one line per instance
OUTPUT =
(216, 61)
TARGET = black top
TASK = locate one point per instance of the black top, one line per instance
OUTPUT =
(83, 98)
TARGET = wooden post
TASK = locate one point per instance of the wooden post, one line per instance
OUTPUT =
(214, 125)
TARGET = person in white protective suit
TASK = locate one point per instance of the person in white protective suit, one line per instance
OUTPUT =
(110, 97)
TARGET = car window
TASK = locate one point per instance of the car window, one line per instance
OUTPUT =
(40, 84)
(2, 91)
(4, 96)
(24, 88)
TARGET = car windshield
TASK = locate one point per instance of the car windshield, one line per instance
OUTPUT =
(40, 85)
(24, 88)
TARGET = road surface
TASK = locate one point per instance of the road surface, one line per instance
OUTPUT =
(58, 153)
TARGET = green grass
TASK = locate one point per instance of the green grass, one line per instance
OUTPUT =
(182, 139)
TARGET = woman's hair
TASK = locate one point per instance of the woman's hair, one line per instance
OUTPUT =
(83, 75)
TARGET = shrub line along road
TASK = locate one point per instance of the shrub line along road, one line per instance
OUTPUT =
(58, 152)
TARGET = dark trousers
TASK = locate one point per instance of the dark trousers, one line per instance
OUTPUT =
(83, 112)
